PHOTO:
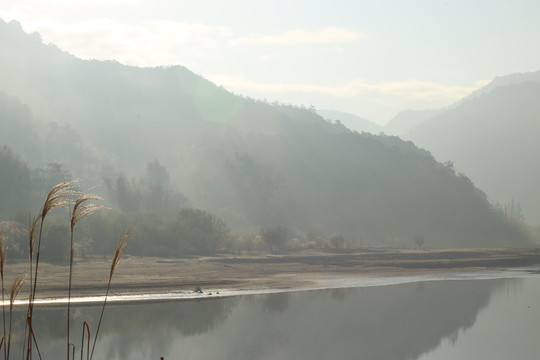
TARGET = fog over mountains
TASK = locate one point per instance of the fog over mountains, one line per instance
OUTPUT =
(489, 135)
(252, 163)
(351, 121)
(492, 137)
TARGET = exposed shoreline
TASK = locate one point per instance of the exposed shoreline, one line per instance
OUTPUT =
(232, 275)
(323, 284)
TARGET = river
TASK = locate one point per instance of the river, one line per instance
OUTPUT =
(471, 316)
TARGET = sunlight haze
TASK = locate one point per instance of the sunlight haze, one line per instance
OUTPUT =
(369, 58)
(268, 180)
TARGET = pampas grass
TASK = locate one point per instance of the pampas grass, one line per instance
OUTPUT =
(16, 287)
(32, 234)
(114, 264)
(81, 208)
(86, 328)
(60, 196)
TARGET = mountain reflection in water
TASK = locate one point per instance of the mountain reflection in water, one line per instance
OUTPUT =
(388, 322)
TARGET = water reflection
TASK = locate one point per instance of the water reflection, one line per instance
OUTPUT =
(390, 322)
(507, 329)
(275, 302)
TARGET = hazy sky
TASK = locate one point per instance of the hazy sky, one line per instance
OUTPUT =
(370, 58)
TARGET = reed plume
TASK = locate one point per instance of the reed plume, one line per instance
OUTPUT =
(81, 208)
(114, 264)
(58, 197)
(118, 254)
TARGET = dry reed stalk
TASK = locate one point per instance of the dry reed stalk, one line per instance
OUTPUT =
(86, 328)
(16, 287)
(114, 264)
(33, 226)
(80, 209)
(32, 234)
(32, 231)
(58, 197)
(3, 251)
(32, 336)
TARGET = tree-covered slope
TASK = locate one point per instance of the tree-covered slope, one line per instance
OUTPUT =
(364, 186)
(113, 104)
(351, 121)
(254, 164)
(493, 138)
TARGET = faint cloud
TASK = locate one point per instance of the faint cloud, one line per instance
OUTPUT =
(325, 35)
(481, 83)
(148, 43)
(165, 42)
(406, 89)
(422, 89)
(269, 57)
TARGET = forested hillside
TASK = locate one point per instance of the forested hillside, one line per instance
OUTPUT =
(165, 142)
(351, 121)
(492, 137)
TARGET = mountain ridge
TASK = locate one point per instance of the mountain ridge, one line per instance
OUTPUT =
(254, 164)
(505, 119)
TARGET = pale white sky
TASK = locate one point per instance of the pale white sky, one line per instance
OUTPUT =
(370, 58)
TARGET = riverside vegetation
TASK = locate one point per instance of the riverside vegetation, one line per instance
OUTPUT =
(60, 196)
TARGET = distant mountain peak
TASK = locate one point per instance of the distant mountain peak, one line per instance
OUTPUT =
(500, 81)
(492, 136)
(351, 121)
(406, 120)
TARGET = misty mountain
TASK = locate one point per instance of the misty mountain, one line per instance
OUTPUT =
(42, 143)
(492, 137)
(500, 81)
(252, 163)
(399, 125)
(351, 121)
(406, 120)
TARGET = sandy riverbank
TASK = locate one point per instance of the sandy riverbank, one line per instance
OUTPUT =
(293, 270)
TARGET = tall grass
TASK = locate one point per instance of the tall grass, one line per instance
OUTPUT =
(32, 230)
(114, 264)
(16, 287)
(81, 208)
(60, 196)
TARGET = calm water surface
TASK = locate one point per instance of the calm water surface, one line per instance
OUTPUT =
(467, 319)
